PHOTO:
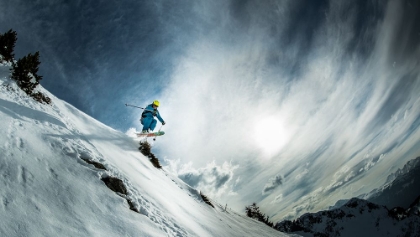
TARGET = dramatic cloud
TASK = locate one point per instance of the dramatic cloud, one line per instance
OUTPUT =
(210, 179)
(308, 91)
(272, 184)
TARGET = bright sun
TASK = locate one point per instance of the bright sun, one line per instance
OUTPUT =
(270, 135)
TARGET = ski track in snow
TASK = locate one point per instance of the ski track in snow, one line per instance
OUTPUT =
(78, 149)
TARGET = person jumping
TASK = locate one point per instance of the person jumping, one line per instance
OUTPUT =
(149, 123)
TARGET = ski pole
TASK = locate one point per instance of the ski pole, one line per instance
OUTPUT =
(134, 106)
(154, 139)
(138, 107)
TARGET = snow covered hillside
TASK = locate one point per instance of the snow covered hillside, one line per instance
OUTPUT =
(48, 188)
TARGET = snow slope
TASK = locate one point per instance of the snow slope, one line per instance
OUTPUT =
(48, 190)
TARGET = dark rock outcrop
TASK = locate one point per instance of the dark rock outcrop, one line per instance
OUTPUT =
(94, 163)
(115, 185)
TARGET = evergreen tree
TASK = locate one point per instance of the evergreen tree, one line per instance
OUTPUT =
(7, 45)
(254, 212)
(25, 72)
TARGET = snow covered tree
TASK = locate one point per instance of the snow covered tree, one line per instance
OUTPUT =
(7, 45)
(25, 72)
(206, 199)
(254, 212)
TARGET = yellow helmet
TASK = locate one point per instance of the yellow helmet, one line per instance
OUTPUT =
(156, 102)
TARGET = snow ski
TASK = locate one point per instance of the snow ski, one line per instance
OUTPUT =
(152, 134)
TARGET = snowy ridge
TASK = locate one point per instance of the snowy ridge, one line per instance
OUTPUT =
(396, 215)
(408, 167)
(49, 190)
(401, 189)
(356, 218)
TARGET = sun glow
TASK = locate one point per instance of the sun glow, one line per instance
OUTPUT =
(271, 135)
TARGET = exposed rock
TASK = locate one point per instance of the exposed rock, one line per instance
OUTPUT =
(132, 207)
(94, 163)
(145, 150)
(115, 184)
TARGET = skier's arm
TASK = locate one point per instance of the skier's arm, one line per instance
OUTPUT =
(160, 118)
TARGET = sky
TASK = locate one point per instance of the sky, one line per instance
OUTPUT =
(290, 104)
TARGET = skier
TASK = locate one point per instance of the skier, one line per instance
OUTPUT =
(149, 123)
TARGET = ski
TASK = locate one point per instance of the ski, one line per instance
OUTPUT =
(152, 134)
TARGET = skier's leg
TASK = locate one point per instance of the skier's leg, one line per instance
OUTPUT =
(153, 124)
(146, 123)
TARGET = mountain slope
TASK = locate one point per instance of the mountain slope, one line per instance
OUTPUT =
(396, 215)
(356, 218)
(402, 187)
(49, 190)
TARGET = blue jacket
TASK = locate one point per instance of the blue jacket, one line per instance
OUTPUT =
(149, 111)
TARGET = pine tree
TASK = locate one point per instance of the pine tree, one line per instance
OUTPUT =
(7, 45)
(25, 72)
(254, 212)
